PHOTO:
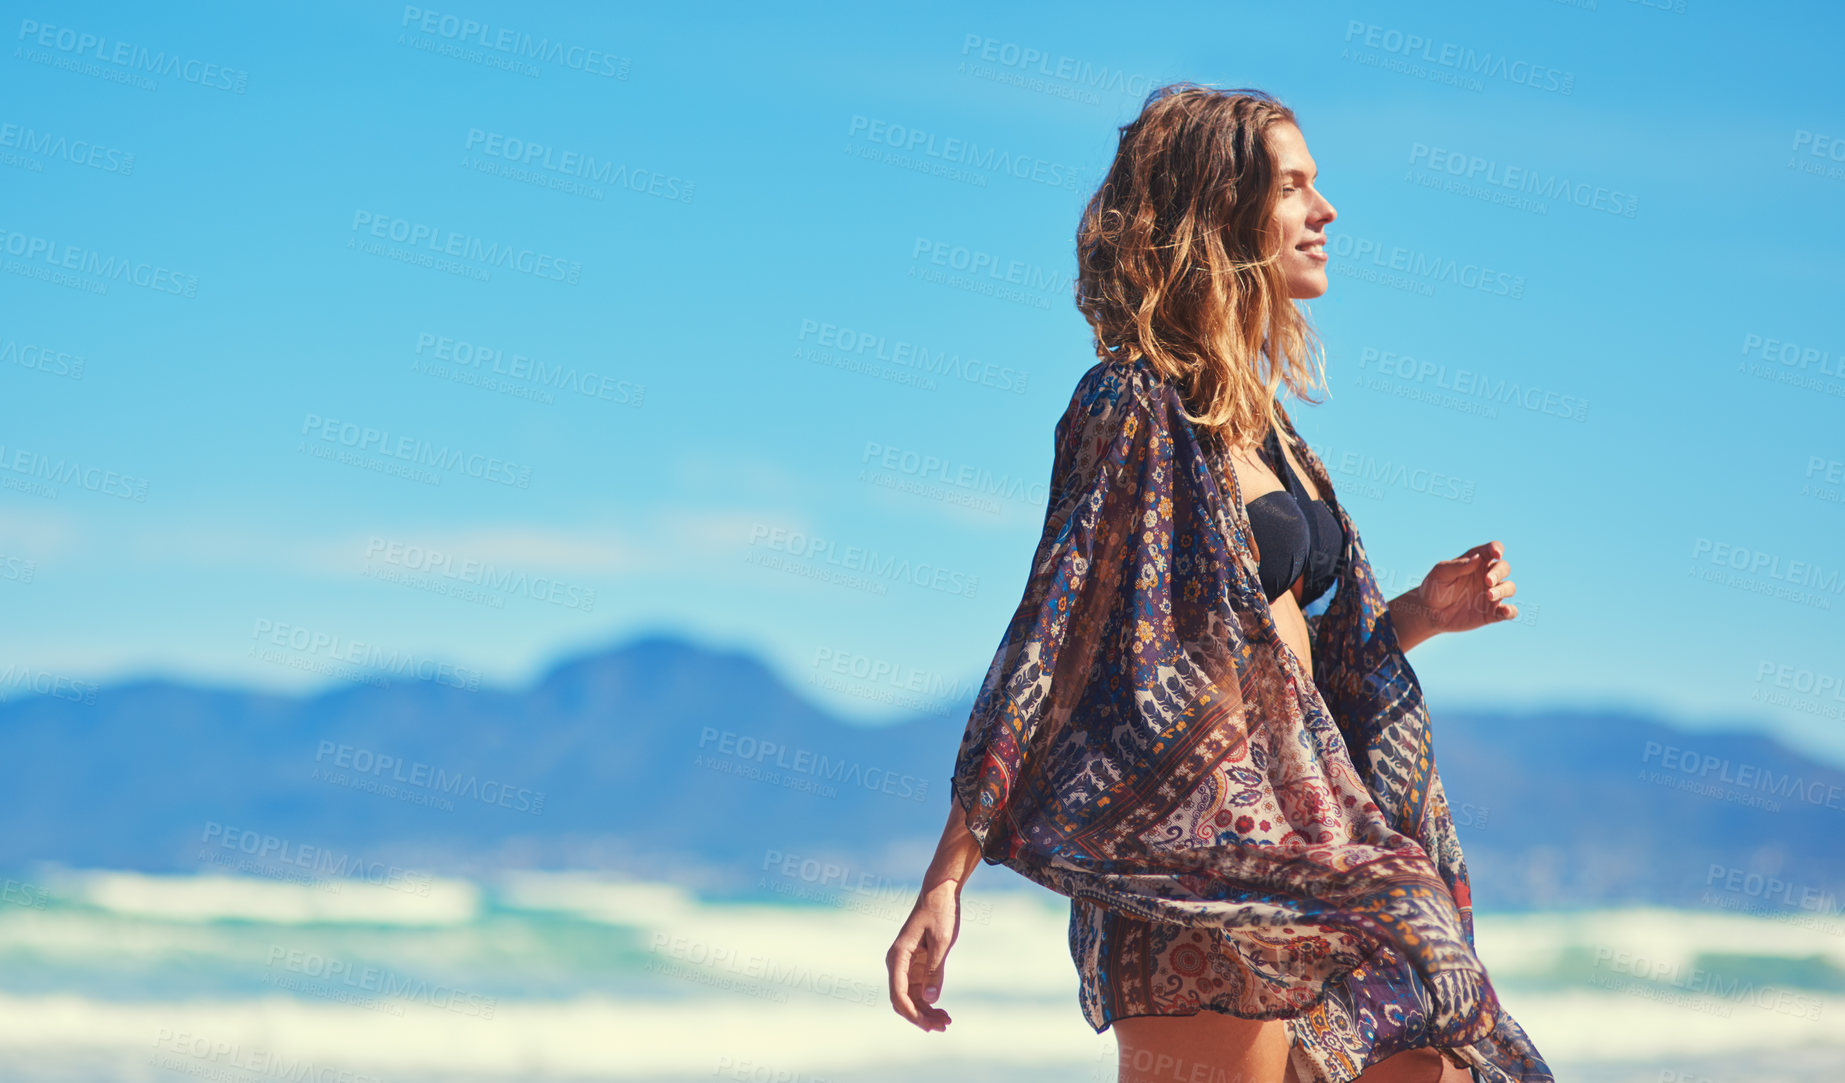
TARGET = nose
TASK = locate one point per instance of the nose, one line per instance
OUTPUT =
(1324, 213)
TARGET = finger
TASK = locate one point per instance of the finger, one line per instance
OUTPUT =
(1502, 589)
(932, 984)
(1491, 550)
(1497, 571)
(929, 1017)
(1453, 570)
(899, 962)
(1460, 569)
(919, 995)
(924, 986)
(923, 983)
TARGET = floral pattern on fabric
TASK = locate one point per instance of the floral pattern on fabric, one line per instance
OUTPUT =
(1234, 834)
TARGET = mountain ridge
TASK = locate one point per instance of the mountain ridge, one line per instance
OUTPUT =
(660, 757)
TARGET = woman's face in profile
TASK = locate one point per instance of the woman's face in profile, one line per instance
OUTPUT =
(1301, 213)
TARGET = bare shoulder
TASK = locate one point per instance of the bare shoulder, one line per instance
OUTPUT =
(1299, 456)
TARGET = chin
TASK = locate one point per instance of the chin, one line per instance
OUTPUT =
(1306, 289)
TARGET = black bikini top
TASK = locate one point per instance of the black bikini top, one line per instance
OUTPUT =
(1296, 535)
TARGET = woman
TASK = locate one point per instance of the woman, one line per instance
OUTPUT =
(1230, 775)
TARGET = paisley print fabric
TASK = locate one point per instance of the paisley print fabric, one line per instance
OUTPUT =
(1234, 834)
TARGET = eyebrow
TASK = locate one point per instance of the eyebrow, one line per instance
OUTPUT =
(1298, 172)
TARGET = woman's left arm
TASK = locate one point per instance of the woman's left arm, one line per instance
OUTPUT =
(1460, 594)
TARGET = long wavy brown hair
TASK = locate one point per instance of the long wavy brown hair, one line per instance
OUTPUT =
(1178, 260)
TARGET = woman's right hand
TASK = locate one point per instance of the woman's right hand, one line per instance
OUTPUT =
(918, 957)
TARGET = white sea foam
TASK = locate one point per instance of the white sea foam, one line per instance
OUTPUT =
(216, 898)
(628, 1039)
(596, 897)
(583, 1036)
(1515, 944)
(677, 985)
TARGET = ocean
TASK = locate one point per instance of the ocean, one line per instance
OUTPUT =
(120, 976)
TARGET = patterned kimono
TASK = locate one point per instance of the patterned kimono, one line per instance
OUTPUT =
(1234, 834)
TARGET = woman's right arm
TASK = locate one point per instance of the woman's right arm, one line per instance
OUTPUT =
(957, 854)
(916, 961)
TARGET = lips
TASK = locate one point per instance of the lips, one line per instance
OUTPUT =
(1314, 249)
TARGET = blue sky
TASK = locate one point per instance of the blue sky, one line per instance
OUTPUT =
(669, 305)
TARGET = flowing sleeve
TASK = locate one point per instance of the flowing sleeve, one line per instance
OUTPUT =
(1045, 659)
(1143, 739)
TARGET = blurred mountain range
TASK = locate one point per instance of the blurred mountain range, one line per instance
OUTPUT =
(664, 759)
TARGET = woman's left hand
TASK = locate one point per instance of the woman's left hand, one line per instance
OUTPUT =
(1468, 591)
